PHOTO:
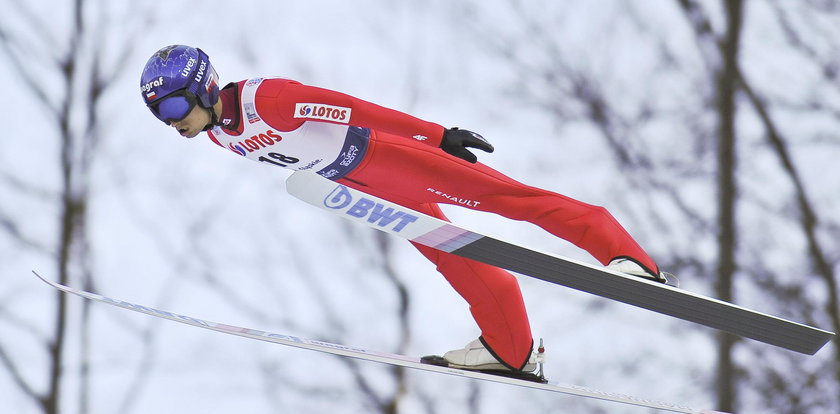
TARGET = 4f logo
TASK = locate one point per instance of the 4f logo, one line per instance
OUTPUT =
(376, 213)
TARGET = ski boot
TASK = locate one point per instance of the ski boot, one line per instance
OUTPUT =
(476, 357)
(630, 267)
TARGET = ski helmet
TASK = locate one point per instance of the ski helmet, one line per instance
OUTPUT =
(175, 79)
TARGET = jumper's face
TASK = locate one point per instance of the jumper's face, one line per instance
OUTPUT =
(180, 110)
(192, 124)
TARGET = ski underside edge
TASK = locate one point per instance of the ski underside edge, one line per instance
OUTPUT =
(381, 357)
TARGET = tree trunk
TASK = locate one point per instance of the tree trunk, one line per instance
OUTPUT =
(726, 86)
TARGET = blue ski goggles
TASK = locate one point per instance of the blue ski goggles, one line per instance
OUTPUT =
(174, 107)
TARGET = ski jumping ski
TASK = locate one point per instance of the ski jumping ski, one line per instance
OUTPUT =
(420, 228)
(386, 358)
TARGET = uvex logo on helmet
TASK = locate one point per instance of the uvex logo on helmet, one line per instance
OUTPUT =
(188, 68)
(147, 87)
(201, 69)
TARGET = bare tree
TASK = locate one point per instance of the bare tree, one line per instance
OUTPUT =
(376, 265)
(725, 77)
(808, 220)
(565, 83)
(74, 72)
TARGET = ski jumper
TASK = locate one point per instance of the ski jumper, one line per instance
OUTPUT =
(395, 156)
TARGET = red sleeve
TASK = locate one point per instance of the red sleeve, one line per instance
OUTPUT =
(293, 103)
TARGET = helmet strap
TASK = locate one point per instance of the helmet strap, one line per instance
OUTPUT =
(213, 119)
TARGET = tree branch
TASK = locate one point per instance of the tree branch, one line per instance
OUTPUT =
(808, 219)
(17, 377)
(8, 43)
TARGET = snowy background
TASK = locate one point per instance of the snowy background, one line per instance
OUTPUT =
(610, 102)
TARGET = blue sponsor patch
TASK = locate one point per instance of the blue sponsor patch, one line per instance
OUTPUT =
(364, 208)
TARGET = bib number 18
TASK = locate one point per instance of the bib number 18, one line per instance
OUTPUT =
(279, 159)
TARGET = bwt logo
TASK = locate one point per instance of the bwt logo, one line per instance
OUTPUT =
(376, 213)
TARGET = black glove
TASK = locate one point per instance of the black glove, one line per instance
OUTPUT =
(456, 141)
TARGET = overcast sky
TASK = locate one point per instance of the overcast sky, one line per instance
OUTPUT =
(185, 226)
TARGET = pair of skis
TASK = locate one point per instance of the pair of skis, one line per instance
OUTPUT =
(397, 220)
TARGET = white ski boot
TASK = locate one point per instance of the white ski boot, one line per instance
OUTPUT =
(630, 267)
(475, 356)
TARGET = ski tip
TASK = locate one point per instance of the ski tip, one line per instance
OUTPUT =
(43, 279)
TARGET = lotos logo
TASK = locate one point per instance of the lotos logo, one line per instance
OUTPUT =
(237, 149)
(376, 213)
(256, 142)
(324, 112)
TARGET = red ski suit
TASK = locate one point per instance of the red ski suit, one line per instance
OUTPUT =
(395, 156)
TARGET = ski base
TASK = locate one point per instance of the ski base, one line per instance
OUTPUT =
(429, 231)
(385, 358)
